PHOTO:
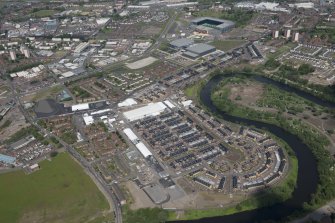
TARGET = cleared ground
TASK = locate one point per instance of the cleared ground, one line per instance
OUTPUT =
(59, 192)
(247, 94)
(141, 63)
(16, 122)
(45, 93)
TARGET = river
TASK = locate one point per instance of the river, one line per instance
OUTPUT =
(307, 173)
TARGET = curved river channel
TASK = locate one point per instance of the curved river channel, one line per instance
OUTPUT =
(307, 173)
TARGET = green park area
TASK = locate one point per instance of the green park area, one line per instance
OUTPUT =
(44, 13)
(193, 91)
(81, 93)
(59, 191)
(50, 92)
(227, 45)
(144, 215)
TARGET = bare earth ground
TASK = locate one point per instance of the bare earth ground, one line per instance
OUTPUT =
(249, 94)
(17, 122)
(202, 200)
(152, 30)
(140, 199)
(193, 199)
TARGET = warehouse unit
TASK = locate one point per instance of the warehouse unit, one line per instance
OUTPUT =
(139, 145)
(181, 43)
(153, 109)
(198, 50)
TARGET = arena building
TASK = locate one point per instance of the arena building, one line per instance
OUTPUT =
(211, 26)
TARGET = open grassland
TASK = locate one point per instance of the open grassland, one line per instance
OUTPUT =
(144, 215)
(44, 13)
(193, 91)
(227, 45)
(59, 192)
(281, 50)
(48, 93)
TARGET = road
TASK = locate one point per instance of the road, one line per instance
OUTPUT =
(162, 34)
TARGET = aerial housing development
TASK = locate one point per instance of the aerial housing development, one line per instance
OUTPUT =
(167, 111)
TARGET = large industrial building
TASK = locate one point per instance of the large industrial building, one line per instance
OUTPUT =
(136, 141)
(7, 159)
(198, 50)
(212, 26)
(146, 111)
(181, 43)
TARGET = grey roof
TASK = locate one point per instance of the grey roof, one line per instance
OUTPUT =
(190, 54)
(200, 48)
(21, 142)
(226, 24)
(182, 42)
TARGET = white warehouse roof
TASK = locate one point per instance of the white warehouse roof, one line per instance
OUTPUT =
(169, 104)
(187, 103)
(67, 74)
(130, 134)
(146, 111)
(139, 145)
(143, 149)
(127, 102)
(88, 119)
(80, 107)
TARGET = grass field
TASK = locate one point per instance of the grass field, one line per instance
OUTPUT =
(144, 215)
(44, 13)
(193, 91)
(59, 192)
(227, 45)
(281, 50)
(5, 124)
(48, 93)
